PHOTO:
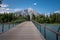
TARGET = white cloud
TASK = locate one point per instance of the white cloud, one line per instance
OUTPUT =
(17, 9)
(4, 8)
(4, 5)
(35, 3)
(57, 11)
(7, 10)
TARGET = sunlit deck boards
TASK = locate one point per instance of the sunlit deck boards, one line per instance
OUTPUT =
(23, 31)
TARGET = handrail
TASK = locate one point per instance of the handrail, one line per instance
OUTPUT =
(58, 33)
(54, 31)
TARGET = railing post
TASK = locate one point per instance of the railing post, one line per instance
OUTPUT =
(13, 24)
(9, 26)
(40, 28)
(2, 27)
(45, 31)
(37, 26)
(57, 34)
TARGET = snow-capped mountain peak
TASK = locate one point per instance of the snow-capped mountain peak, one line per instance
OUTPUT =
(28, 11)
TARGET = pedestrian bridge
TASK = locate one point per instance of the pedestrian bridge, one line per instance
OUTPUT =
(22, 31)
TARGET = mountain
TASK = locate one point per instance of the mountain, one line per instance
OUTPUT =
(25, 12)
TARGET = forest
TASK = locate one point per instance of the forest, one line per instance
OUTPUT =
(52, 18)
(11, 18)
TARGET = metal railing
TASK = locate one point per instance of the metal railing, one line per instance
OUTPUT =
(9, 26)
(45, 27)
(3, 26)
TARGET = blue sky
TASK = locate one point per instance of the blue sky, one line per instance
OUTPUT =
(41, 6)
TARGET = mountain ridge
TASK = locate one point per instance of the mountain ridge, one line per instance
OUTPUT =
(28, 11)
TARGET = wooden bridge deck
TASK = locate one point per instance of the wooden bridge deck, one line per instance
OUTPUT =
(23, 31)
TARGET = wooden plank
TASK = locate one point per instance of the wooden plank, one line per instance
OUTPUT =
(23, 31)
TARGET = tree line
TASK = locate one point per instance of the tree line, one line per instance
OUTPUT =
(12, 18)
(52, 18)
(7, 17)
